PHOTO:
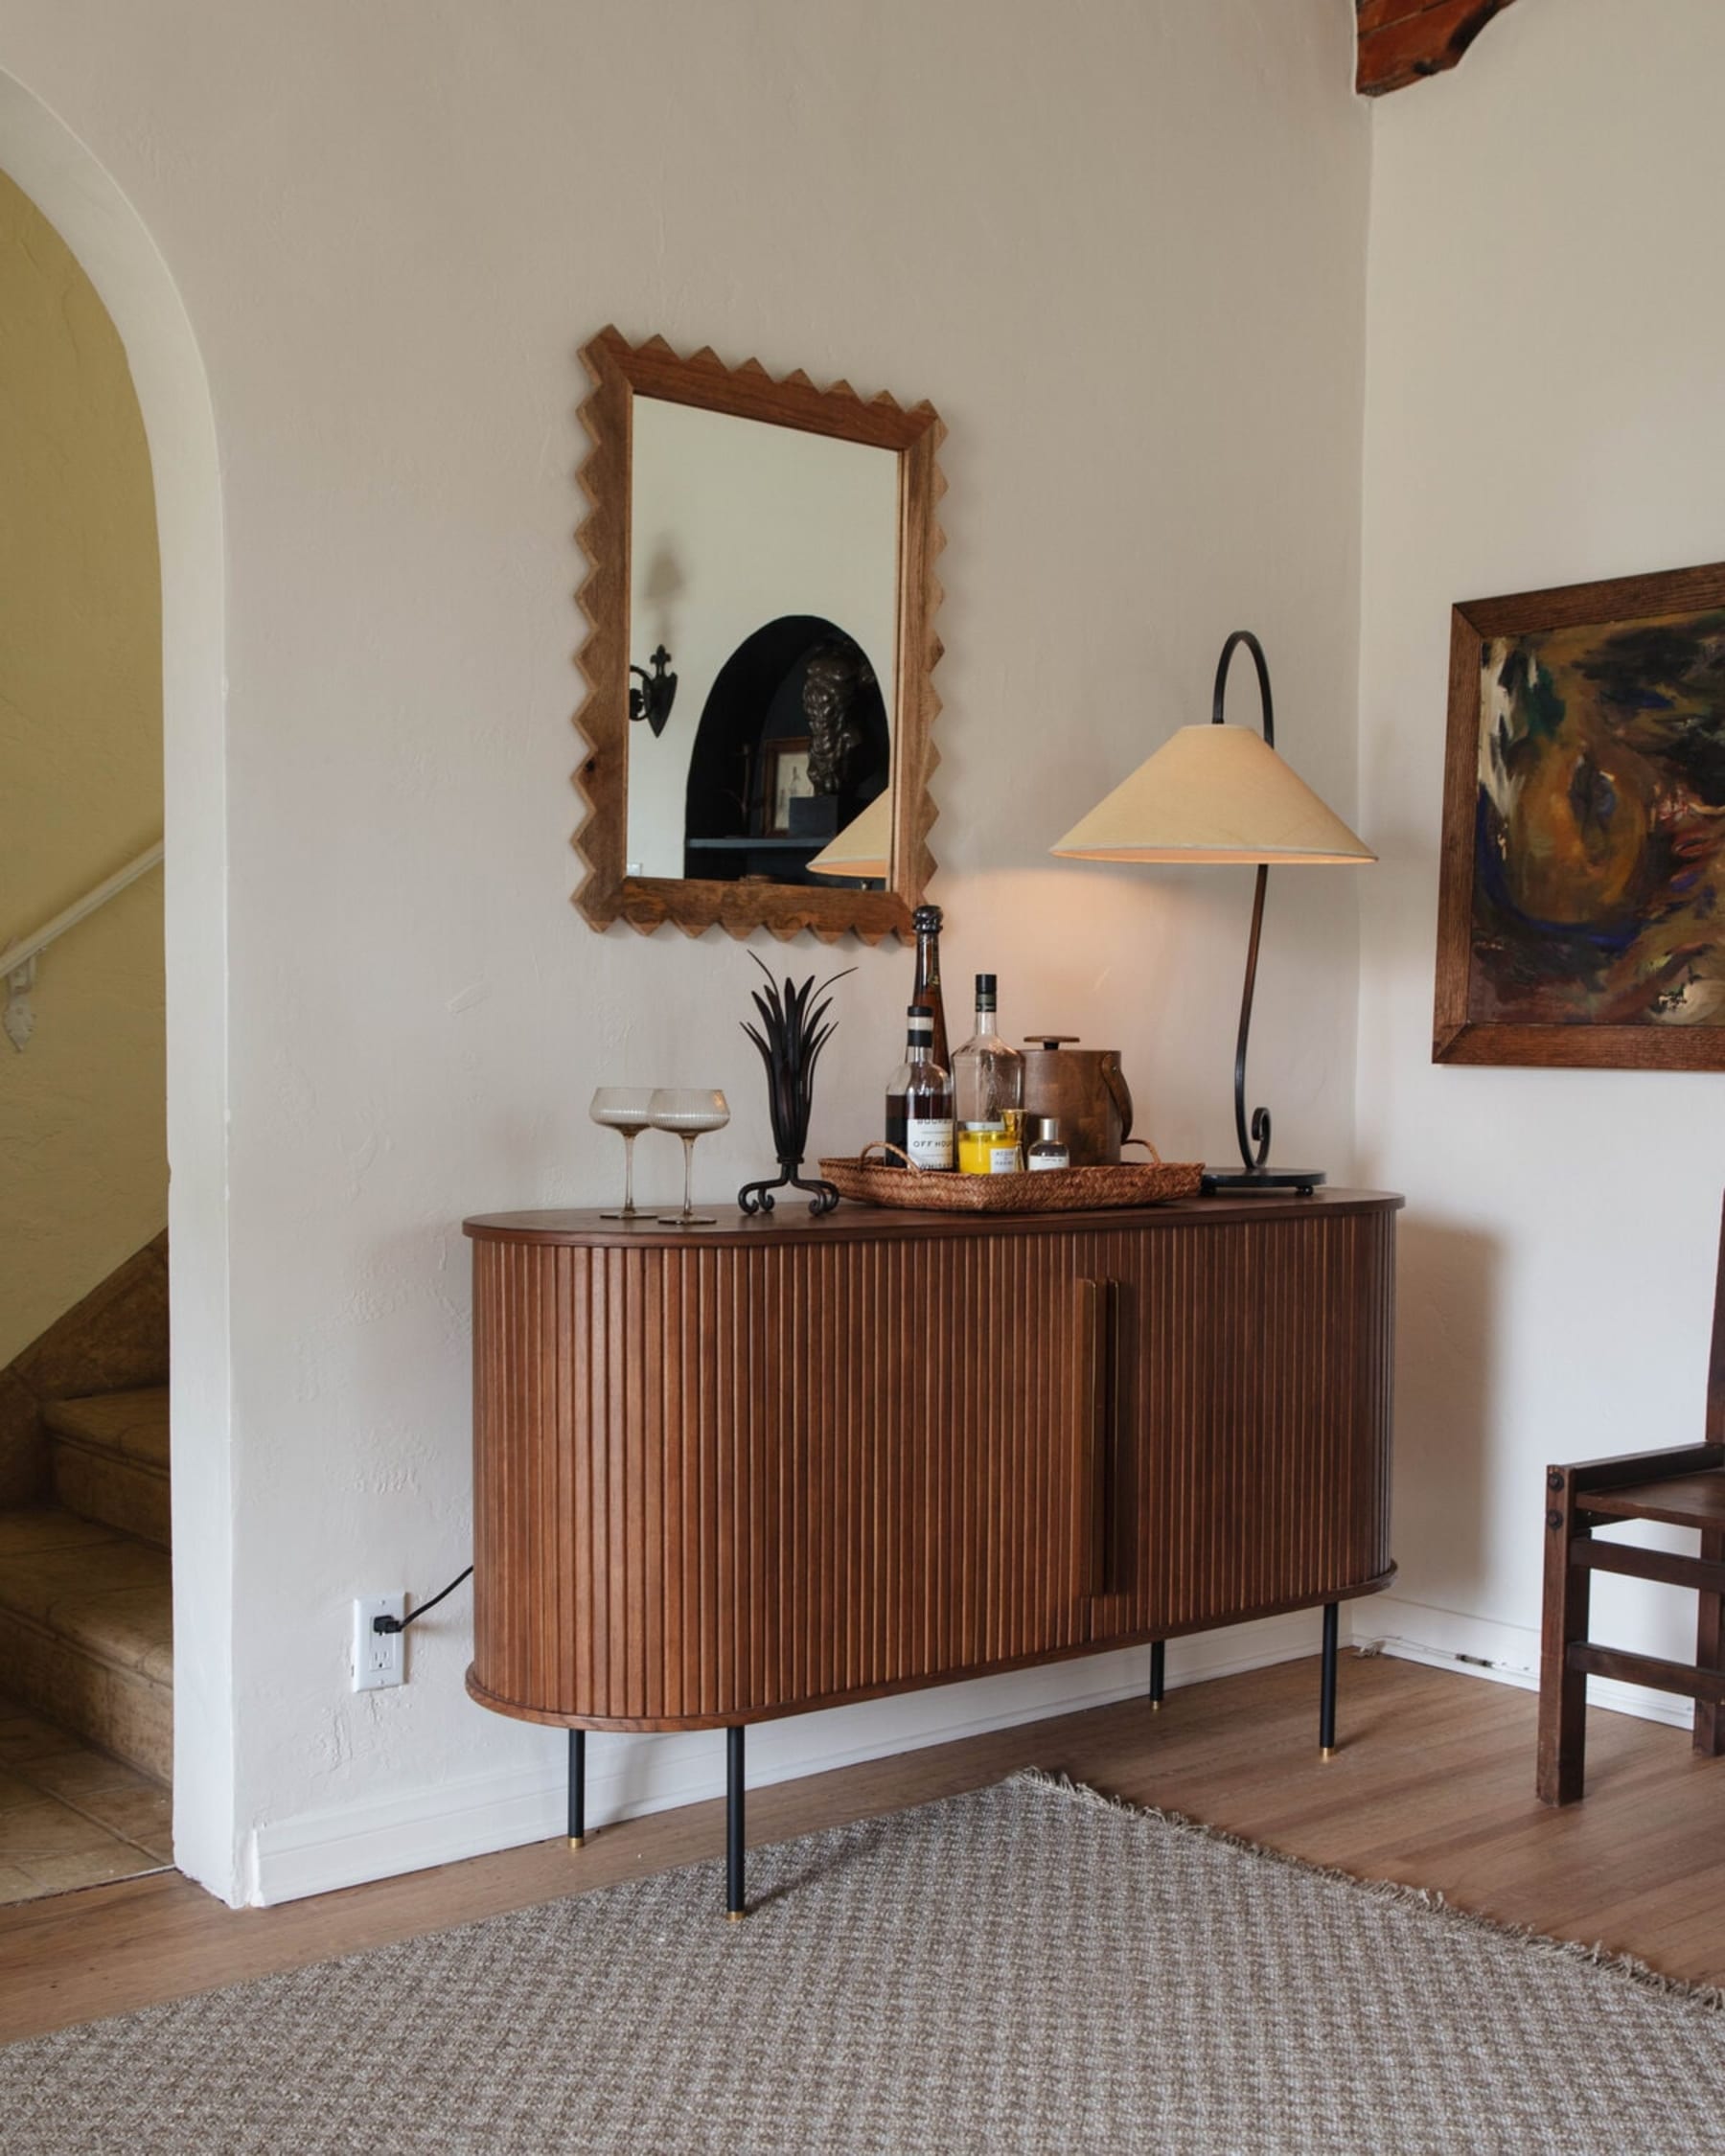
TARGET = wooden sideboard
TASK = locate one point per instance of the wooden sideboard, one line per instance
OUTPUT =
(727, 1474)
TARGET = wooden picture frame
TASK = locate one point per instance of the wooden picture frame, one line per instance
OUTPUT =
(775, 792)
(1586, 742)
(619, 372)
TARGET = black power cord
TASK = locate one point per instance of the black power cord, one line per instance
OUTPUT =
(401, 1623)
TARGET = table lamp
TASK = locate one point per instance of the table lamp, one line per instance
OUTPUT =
(864, 848)
(1221, 794)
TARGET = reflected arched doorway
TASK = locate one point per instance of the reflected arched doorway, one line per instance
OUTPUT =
(793, 743)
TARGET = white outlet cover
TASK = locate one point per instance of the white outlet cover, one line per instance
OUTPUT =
(380, 1658)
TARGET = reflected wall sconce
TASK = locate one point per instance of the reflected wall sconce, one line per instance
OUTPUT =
(656, 694)
(1220, 793)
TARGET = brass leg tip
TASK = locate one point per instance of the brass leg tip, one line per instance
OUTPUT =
(578, 1841)
(1326, 1752)
(1156, 1706)
(735, 1915)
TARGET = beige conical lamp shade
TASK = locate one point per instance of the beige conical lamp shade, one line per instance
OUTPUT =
(863, 847)
(1213, 794)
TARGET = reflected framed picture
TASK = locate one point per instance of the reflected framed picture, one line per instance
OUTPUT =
(784, 779)
(1581, 903)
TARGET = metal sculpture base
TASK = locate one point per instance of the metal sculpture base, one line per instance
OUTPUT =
(1241, 1182)
(757, 1196)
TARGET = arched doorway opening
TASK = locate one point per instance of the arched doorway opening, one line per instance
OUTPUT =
(86, 206)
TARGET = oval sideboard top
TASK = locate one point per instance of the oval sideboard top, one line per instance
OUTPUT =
(794, 1224)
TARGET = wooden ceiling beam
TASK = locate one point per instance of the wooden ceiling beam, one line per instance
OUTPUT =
(1402, 41)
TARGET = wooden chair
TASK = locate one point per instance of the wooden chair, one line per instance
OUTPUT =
(1685, 1486)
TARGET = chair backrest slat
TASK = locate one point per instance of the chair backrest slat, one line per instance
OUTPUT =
(1715, 1369)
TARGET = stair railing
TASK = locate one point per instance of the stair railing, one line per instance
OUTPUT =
(18, 960)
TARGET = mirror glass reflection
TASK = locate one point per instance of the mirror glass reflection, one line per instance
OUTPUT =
(764, 580)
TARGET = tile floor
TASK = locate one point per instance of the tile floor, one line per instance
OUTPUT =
(70, 1816)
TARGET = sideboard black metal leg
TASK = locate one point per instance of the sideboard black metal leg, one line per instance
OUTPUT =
(736, 1906)
(1326, 1697)
(1158, 1673)
(577, 1788)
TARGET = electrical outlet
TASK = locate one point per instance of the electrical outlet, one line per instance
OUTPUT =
(380, 1658)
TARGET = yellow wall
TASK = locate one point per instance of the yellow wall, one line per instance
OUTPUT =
(83, 1169)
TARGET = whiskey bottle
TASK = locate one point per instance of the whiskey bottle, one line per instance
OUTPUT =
(988, 1077)
(919, 1099)
(926, 921)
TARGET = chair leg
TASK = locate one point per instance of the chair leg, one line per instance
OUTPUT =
(1710, 1651)
(1562, 1690)
(1158, 1674)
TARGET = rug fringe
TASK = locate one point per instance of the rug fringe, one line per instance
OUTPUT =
(1708, 1998)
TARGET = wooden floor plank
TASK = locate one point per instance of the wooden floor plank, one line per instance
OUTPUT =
(1434, 1786)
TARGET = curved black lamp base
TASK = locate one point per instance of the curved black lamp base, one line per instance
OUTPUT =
(1253, 1133)
(1234, 1181)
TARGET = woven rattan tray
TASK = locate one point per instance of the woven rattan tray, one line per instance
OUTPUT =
(872, 1182)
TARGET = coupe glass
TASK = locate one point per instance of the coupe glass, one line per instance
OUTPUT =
(688, 1114)
(625, 1109)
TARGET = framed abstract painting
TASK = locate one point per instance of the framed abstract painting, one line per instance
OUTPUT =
(1581, 908)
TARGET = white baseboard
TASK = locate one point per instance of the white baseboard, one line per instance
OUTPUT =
(377, 1838)
(1506, 1654)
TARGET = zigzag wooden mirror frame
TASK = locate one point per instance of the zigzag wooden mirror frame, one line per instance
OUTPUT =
(761, 599)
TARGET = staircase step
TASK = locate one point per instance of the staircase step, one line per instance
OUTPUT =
(86, 1618)
(110, 1459)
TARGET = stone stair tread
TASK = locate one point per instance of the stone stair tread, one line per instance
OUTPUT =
(45, 1527)
(86, 1618)
(99, 1589)
(130, 1629)
(131, 1424)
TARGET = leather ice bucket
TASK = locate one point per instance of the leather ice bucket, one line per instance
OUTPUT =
(1087, 1089)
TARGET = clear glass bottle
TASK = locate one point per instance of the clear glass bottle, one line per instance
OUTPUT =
(1046, 1148)
(988, 1082)
(919, 1099)
(926, 922)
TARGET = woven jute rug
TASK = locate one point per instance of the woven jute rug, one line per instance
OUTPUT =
(1031, 1967)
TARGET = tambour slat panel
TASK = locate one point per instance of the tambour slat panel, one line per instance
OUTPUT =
(1257, 1457)
(723, 1478)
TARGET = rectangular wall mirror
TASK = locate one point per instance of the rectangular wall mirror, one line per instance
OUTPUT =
(761, 597)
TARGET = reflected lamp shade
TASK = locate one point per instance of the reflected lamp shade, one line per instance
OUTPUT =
(1214, 794)
(864, 848)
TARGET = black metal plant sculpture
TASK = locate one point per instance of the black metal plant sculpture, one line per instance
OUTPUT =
(790, 1045)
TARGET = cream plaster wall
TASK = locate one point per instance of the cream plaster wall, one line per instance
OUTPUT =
(1122, 248)
(1544, 406)
(83, 1169)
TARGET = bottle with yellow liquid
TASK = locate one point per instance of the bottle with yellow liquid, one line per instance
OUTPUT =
(988, 1093)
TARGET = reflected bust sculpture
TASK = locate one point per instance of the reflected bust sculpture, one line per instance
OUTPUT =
(835, 675)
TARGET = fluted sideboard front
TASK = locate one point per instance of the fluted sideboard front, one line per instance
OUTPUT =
(732, 1474)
